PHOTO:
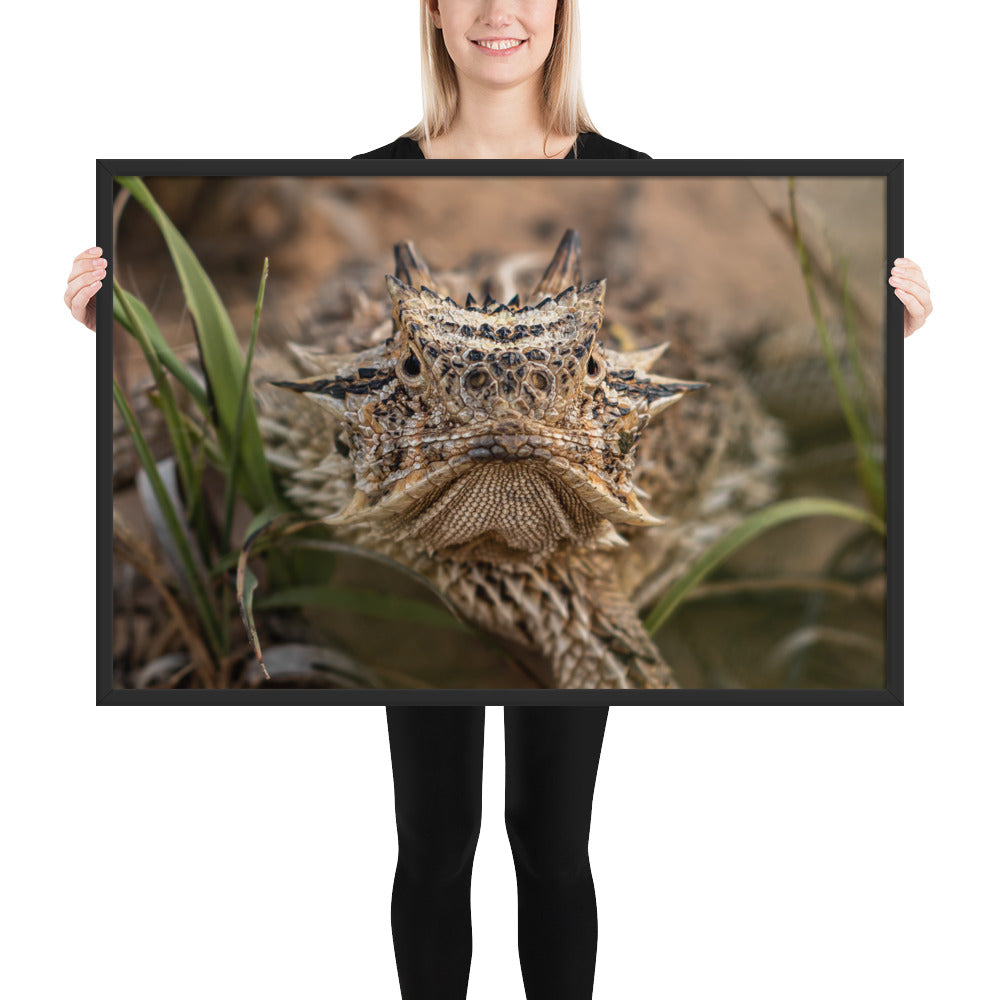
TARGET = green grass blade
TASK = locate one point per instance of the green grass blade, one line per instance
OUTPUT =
(246, 582)
(202, 448)
(231, 479)
(171, 411)
(202, 600)
(261, 524)
(220, 353)
(197, 433)
(756, 524)
(167, 358)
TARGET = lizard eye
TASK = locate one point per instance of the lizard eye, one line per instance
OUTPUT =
(595, 368)
(411, 366)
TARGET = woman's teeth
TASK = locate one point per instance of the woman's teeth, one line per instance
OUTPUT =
(501, 45)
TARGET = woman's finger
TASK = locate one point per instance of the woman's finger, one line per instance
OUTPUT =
(911, 273)
(78, 303)
(86, 255)
(921, 292)
(85, 264)
(82, 281)
(912, 303)
(915, 314)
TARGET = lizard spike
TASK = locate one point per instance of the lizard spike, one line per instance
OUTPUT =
(411, 267)
(642, 515)
(590, 302)
(354, 511)
(564, 268)
(400, 292)
(642, 359)
(593, 293)
(515, 302)
(470, 302)
(328, 392)
(490, 301)
(665, 391)
(678, 384)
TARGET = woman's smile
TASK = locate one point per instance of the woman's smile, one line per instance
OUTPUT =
(498, 46)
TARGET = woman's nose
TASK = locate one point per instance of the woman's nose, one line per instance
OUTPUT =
(497, 13)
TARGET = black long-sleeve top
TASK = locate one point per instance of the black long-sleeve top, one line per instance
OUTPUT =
(589, 146)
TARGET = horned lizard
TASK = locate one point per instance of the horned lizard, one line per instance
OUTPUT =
(534, 473)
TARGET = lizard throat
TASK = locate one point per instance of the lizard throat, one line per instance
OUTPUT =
(502, 511)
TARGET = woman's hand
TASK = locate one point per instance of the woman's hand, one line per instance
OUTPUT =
(85, 277)
(911, 289)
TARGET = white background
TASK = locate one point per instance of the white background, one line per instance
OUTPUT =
(778, 852)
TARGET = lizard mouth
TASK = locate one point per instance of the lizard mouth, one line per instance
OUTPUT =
(500, 481)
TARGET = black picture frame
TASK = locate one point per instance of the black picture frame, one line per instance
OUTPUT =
(889, 169)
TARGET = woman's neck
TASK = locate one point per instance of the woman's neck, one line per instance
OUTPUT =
(497, 124)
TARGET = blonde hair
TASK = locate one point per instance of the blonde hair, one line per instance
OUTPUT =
(564, 112)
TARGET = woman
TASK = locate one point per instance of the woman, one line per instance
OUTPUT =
(501, 79)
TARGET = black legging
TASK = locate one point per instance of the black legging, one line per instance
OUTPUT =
(437, 764)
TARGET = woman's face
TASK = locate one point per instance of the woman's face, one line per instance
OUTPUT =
(499, 42)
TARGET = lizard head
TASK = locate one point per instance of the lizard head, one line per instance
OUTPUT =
(494, 431)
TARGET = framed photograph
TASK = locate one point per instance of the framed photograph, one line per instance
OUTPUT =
(500, 432)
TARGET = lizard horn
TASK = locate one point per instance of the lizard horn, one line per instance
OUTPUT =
(413, 269)
(563, 269)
